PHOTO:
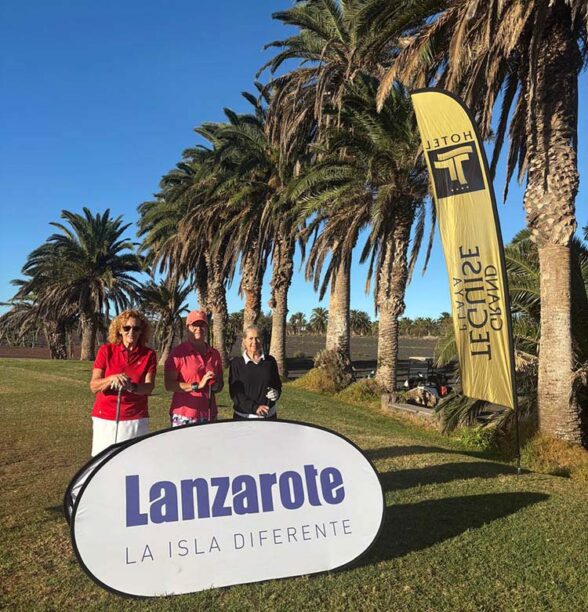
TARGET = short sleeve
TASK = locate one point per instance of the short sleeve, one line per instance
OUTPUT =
(218, 363)
(170, 363)
(151, 363)
(101, 360)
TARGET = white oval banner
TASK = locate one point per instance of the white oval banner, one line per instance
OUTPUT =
(207, 506)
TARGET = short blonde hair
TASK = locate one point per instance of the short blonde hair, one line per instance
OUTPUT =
(116, 325)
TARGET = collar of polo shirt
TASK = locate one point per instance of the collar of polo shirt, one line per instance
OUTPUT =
(247, 359)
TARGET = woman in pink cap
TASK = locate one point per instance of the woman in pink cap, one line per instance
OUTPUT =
(194, 372)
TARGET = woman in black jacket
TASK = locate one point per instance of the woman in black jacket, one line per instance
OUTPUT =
(254, 380)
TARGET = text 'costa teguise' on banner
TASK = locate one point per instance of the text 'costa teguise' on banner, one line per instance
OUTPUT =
(472, 244)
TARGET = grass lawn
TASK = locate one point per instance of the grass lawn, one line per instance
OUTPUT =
(461, 531)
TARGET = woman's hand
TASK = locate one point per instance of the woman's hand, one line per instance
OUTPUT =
(262, 410)
(205, 380)
(119, 381)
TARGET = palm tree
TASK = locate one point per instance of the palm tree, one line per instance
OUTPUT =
(376, 181)
(166, 300)
(182, 233)
(529, 53)
(93, 270)
(319, 320)
(255, 166)
(24, 320)
(522, 264)
(298, 323)
(360, 322)
(332, 53)
(33, 306)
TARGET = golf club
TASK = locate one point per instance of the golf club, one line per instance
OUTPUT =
(117, 414)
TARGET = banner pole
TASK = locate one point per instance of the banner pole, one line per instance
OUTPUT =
(518, 438)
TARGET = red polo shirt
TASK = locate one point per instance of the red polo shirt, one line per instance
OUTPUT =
(191, 366)
(136, 364)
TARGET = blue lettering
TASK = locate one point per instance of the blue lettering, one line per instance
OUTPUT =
(201, 487)
(294, 489)
(310, 472)
(291, 490)
(267, 481)
(218, 505)
(332, 485)
(134, 517)
(164, 502)
(245, 495)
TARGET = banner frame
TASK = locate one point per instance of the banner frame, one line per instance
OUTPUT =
(126, 444)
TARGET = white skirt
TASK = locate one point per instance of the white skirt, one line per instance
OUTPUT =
(104, 432)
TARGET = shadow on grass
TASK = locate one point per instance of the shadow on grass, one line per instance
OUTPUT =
(411, 527)
(390, 452)
(444, 472)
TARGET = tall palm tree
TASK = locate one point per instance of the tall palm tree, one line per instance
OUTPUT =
(239, 192)
(166, 300)
(255, 167)
(95, 270)
(528, 53)
(331, 54)
(33, 305)
(376, 181)
(180, 231)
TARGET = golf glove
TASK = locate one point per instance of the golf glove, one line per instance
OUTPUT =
(272, 394)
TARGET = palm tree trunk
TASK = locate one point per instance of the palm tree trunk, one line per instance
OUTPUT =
(166, 346)
(550, 195)
(55, 334)
(201, 282)
(217, 305)
(338, 324)
(251, 283)
(281, 279)
(88, 345)
(393, 277)
(558, 413)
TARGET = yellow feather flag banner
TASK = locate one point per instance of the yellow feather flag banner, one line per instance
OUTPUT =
(470, 233)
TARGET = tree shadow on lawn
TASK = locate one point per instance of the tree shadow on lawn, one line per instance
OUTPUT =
(411, 527)
(389, 452)
(441, 473)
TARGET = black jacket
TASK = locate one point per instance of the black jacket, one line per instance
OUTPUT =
(248, 383)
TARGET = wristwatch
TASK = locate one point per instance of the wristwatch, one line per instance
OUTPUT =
(133, 387)
(195, 387)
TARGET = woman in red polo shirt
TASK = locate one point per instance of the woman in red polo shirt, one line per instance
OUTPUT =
(123, 363)
(194, 372)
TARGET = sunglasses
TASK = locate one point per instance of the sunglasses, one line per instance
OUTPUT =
(135, 328)
(198, 324)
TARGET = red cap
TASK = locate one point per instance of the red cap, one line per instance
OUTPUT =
(197, 315)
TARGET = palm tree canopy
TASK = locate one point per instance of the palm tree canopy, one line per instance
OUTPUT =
(488, 52)
(84, 267)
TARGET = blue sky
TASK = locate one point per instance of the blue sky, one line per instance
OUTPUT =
(99, 99)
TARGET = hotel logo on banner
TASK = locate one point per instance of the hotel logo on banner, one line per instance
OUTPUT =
(456, 169)
(470, 233)
(199, 507)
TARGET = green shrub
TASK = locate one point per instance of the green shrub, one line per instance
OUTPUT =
(316, 380)
(551, 456)
(477, 438)
(362, 391)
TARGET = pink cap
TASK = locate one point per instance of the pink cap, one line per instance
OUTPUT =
(197, 315)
